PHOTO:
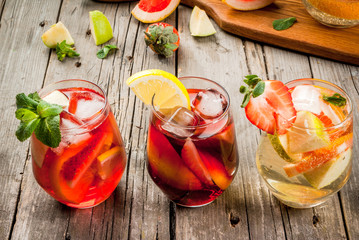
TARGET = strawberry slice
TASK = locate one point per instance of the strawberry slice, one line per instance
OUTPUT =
(273, 110)
(317, 158)
(166, 165)
(216, 169)
(193, 161)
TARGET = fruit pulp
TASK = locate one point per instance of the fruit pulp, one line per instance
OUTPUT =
(304, 175)
(90, 160)
(192, 170)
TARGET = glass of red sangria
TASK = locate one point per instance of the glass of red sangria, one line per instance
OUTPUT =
(87, 165)
(192, 153)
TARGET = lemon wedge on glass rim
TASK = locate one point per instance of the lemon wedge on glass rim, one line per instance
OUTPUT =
(168, 90)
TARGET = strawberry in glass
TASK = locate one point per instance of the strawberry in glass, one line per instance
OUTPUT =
(78, 156)
(304, 155)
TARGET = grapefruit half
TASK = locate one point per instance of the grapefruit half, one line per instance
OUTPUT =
(150, 11)
(246, 5)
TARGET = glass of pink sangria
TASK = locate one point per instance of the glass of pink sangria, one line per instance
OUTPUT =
(192, 153)
(305, 152)
(87, 165)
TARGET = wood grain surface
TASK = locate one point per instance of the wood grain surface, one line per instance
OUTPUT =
(138, 209)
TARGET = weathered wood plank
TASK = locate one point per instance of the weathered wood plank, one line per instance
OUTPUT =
(21, 47)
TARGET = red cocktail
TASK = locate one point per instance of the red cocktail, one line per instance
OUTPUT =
(192, 154)
(88, 164)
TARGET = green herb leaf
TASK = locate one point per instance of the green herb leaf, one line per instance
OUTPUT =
(102, 53)
(246, 99)
(48, 131)
(336, 100)
(45, 109)
(38, 116)
(258, 89)
(65, 50)
(285, 23)
(243, 89)
(25, 129)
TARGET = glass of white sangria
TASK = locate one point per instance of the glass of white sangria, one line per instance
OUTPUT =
(305, 151)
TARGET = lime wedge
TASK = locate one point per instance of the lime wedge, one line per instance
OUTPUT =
(56, 34)
(307, 134)
(101, 29)
(330, 171)
(200, 25)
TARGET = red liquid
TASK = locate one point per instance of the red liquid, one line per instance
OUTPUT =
(87, 166)
(196, 170)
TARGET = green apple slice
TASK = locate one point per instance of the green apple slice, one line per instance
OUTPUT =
(101, 29)
(280, 145)
(330, 171)
(57, 97)
(200, 25)
(56, 34)
(307, 134)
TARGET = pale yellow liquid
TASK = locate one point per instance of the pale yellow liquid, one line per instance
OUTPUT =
(295, 191)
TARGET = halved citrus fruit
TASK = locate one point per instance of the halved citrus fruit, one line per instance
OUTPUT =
(169, 91)
(246, 5)
(150, 11)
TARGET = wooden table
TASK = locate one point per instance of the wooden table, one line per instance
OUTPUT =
(138, 209)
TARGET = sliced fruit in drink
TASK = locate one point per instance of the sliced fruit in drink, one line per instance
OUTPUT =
(57, 97)
(169, 91)
(107, 161)
(191, 158)
(314, 159)
(38, 151)
(329, 171)
(167, 165)
(199, 24)
(307, 134)
(273, 110)
(101, 29)
(56, 34)
(150, 11)
(280, 145)
(216, 169)
(246, 5)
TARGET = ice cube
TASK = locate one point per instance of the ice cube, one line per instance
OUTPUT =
(307, 98)
(183, 117)
(209, 103)
(86, 105)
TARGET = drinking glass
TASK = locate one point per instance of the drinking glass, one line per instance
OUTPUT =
(192, 154)
(88, 164)
(334, 13)
(313, 160)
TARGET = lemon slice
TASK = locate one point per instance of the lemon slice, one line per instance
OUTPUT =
(199, 24)
(100, 27)
(169, 91)
(307, 134)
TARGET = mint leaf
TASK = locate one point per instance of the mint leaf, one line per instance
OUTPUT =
(48, 131)
(65, 50)
(45, 109)
(283, 24)
(25, 115)
(25, 129)
(102, 53)
(34, 96)
(336, 100)
(23, 101)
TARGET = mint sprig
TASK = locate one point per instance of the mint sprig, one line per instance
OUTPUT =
(65, 50)
(38, 116)
(255, 88)
(336, 100)
(102, 53)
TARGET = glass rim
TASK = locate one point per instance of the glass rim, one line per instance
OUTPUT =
(212, 122)
(96, 119)
(341, 91)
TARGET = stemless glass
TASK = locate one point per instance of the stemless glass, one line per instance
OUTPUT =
(312, 161)
(334, 13)
(88, 164)
(193, 164)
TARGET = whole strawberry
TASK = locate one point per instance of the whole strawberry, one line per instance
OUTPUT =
(162, 38)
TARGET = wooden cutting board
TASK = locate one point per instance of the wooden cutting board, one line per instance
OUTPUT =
(306, 35)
